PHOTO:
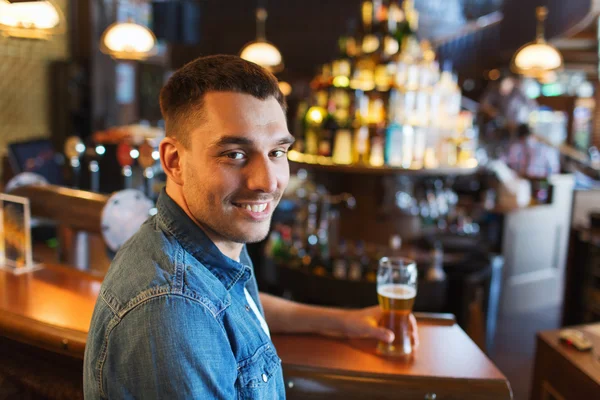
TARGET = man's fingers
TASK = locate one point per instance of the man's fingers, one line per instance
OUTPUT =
(415, 331)
(383, 334)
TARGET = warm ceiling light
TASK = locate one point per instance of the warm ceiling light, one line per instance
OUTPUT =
(30, 19)
(286, 88)
(536, 58)
(494, 75)
(128, 41)
(260, 51)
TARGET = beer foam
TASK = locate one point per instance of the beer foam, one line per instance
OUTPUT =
(397, 291)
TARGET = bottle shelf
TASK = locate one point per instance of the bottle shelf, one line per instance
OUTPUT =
(326, 164)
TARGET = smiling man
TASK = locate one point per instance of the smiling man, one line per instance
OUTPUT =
(179, 314)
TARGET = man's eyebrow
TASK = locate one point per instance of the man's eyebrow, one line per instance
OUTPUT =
(244, 141)
(286, 140)
(227, 140)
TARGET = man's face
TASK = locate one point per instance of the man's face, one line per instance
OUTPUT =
(236, 168)
(506, 86)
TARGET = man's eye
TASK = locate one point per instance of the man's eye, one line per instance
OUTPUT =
(235, 155)
(278, 153)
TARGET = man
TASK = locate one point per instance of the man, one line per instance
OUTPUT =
(179, 314)
(531, 158)
(508, 102)
(504, 107)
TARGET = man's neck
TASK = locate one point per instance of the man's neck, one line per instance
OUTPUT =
(231, 249)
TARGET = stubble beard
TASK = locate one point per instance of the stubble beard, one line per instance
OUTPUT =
(227, 226)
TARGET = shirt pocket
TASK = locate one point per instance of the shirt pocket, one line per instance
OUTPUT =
(258, 376)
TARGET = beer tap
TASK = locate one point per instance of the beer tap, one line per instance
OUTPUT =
(94, 168)
(147, 161)
(125, 158)
(74, 148)
(79, 243)
(95, 154)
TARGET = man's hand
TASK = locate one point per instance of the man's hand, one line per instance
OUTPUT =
(284, 316)
(364, 323)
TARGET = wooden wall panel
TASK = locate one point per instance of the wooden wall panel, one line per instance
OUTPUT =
(24, 84)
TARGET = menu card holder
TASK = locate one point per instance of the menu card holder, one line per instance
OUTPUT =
(15, 234)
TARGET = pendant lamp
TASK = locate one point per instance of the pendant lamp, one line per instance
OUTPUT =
(31, 19)
(535, 59)
(260, 51)
(128, 41)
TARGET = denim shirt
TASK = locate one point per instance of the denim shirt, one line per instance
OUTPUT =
(172, 320)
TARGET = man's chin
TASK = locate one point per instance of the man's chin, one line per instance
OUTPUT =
(251, 234)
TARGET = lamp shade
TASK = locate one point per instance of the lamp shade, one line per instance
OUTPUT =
(534, 59)
(29, 19)
(128, 41)
(264, 54)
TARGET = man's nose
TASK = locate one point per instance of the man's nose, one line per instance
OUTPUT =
(261, 176)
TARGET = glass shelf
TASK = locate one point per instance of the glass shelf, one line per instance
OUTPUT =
(326, 164)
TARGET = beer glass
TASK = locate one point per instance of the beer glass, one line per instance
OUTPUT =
(396, 290)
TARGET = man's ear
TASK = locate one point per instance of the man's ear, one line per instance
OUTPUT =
(171, 159)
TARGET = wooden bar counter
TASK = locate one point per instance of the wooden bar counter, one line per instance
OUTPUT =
(45, 315)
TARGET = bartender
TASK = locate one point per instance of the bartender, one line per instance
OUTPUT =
(504, 107)
(531, 158)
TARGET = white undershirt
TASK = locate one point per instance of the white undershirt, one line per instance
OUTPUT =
(252, 304)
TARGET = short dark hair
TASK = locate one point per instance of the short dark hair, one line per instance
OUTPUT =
(523, 131)
(181, 98)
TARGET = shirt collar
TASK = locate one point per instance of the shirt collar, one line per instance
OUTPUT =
(195, 241)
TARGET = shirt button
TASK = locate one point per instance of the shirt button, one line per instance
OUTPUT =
(247, 307)
(265, 378)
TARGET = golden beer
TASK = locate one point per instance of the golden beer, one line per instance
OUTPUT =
(396, 291)
(396, 297)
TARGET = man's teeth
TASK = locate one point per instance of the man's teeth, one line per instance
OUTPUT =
(255, 207)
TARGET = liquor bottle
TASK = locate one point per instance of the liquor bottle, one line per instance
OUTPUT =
(361, 139)
(376, 158)
(363, 256)
(342, 147)
(379, 27)
(381, 11)
(355, 268)
(388, 24)
(379, 253)
(351, 49)
(340, 263)
(313, 121)
(300, 125)
(395, 16)
(435, 272)
(329, 131)
(342, 67)
(273, 247)
(297, 254)
(372, 258)
(317, 265)
(393, 134)
(369, 41)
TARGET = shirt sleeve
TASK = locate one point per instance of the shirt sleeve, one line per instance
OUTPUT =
(553, 160)
(170, 347)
